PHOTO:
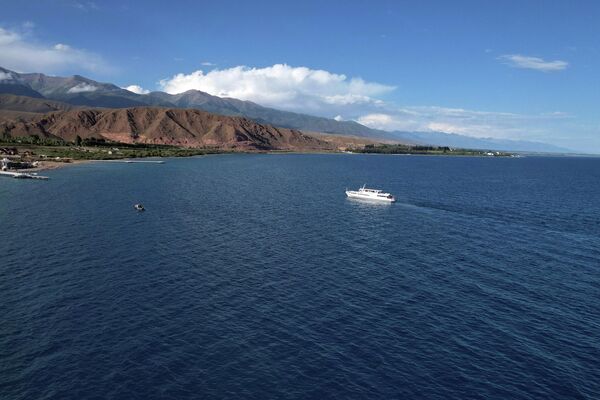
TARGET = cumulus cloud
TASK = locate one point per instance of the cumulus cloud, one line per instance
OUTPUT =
(19, 52)
(282, 86)
(208, 64)
(82, 88)
(380, 121)
(137, 89)
(324, 93)
(535, 63)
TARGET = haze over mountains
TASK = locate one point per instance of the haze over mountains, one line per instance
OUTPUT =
(45, 93)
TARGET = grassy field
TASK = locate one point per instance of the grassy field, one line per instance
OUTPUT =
(102, 152)
(60, 151)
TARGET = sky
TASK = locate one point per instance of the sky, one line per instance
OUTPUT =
(525, 70)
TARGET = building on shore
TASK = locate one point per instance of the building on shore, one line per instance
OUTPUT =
(6, 164)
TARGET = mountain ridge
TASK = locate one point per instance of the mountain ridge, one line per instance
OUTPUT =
(79, 91)
(154, 125)
(478, 143)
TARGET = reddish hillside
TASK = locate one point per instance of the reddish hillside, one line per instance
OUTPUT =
(179, 127)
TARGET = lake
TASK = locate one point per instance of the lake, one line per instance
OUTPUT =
(253, 276)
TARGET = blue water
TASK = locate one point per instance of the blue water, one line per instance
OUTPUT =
(252, 276)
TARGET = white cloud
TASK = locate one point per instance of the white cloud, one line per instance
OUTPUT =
(62, 47)
(85, 6)
(8, 37)
(208, 64)
(19, 52)
(536, 63)
(380, 121)
(82, 88)
(282, 86)
(137, 89)
(324, 93)
(5, 76)
(465, 122)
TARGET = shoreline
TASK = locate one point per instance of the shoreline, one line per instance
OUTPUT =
(52, 165)
(49, 164)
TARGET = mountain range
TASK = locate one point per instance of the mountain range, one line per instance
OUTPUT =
(51, 93)
(80, 91)
(159, 125)
(468, 142)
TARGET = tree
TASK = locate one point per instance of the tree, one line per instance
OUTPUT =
(78, 140)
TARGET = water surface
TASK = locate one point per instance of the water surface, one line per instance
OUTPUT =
(252, 276)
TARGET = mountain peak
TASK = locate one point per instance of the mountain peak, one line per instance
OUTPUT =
(78, 90)
(81, 91)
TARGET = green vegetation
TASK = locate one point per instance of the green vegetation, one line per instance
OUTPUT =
(32, 140)
(36, 148)
(95, 149)
(96, 153)
(431, 150)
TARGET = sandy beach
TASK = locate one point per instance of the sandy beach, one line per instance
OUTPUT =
(49, 165)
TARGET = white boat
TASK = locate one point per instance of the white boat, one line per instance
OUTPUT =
(370, 194)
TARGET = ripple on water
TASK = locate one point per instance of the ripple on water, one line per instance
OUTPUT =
(252, 276)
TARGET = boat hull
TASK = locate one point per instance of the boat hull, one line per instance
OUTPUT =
(357, 195)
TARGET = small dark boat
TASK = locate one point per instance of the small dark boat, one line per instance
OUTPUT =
(139, 207)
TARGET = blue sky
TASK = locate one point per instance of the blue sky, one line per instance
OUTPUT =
(511, 69)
